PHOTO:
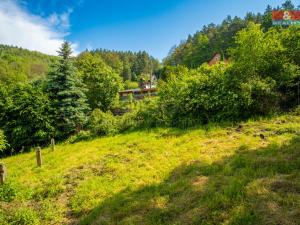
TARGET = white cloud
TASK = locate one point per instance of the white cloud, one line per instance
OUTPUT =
(61, 21)
(20, 28)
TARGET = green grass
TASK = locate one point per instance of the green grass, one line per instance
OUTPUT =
(209, 175)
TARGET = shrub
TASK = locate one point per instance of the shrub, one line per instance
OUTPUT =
(131, 84)
(26, 120)
(101, 123)
(81, 136)
(127, 121)
(148, 114)
(203, 95)
(3, 143)
(102, 82)
(260, 95)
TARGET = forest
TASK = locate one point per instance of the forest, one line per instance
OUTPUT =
(251, 97)
(65, 96)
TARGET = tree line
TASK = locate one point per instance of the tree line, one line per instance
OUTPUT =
(133, 66)
(201, 47)
(76, 98)
(21, 65)
(58, 101)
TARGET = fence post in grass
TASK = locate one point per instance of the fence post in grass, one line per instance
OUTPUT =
(2, 173)
(52, 144)
(39, 156)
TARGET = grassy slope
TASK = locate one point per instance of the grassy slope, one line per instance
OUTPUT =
(17, 64)
(209, 175)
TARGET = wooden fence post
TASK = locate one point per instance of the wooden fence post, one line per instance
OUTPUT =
(39, 156)
(52, 144)
(2, 173)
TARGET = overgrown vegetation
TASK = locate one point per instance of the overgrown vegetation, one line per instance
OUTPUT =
(237, 174)
(3, 143)
(238, 163)
(211, 39)
(261, 77)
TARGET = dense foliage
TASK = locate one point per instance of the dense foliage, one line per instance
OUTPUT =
(3, 143)
(263, 77)
(101, 123)
(130, 65)
(212, 39)
(102, 82)
(80, 94)
(25, 116)
(34, 109)
(20, 65)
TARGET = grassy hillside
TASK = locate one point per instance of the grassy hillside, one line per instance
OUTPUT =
(17, 64)
(242, 174)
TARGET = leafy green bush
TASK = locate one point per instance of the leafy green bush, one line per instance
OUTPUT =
(148, 114)
(266, 62)
(3, 142)
(102, 82)
(127, 121)
(199, 96)
(144, 114)
(101, 123)
(260, 96)
(25, 119)
(263, 75)
(131, 84)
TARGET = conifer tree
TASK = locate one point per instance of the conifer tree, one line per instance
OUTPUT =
(288, 5)
(66, 93)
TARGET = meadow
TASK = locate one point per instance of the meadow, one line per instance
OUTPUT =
(246, 173)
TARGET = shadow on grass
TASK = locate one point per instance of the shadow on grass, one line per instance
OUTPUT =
(259, 186)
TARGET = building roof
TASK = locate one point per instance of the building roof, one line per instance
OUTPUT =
(138, 90)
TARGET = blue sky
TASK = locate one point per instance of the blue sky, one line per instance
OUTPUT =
(152, 25)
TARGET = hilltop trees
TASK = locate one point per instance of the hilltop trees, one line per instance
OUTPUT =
(288, 4)
(66, 91)
(21, 65)
(128, 64)
(212, 39)
(263, 77)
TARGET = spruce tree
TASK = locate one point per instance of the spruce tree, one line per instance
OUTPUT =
(66, 93)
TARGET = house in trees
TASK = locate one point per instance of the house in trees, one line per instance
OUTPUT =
(137, 94)
(147, 89)
(151, 83)
(217, 59)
